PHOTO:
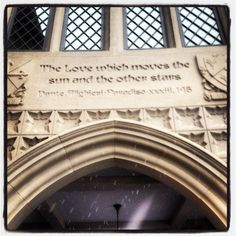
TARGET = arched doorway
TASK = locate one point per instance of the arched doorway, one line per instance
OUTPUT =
(117, 199)
(183, 166)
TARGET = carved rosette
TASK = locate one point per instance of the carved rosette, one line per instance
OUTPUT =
(16, 80)
(213, 69)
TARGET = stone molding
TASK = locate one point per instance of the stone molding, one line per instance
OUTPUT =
(172, 159)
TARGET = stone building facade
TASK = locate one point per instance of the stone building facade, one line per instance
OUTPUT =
(120, 96)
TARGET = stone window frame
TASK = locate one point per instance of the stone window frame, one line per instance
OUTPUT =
(104, 27)
(220, 18)
(47, 40)
(168, 32)
(170, 21)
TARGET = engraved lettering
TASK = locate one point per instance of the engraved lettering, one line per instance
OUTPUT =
(50, 68)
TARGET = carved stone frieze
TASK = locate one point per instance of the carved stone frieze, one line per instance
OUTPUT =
(14, 122)
(28, 142)
(37, 122)
(98, 115)
(219, 143)
(193, 123)
(197, 137)
(216, 117)
(189, 118)
(16, 80)
(129, 114)
(66, 120)
(213, 69)
(159, 116)
(12, 143)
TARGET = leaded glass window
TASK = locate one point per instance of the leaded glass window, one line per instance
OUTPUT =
(144, 28)
(30, 28)
(199, 26)
(83, 29)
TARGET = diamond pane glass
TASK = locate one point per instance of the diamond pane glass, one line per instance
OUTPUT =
(29, 29)
(144, 28)
(199, 26)
(84, 29)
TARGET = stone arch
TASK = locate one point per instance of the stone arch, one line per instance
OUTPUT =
(64, 158)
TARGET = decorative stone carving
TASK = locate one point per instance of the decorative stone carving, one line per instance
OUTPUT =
(219, 143)
(160, 117)
(189, 118)
(37, 122)
(187, 121)
(14, 121)
(197, 137)
(16, 80)
(29, 141)
(129, 114)
(213, 69)
(12, 143)
(66, 120)
(216, 117)
(98, 115)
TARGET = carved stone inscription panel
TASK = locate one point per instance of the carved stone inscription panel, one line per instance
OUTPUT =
(66, 82)
(115, 83)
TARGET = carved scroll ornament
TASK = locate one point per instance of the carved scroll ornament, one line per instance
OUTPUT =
(213, 69)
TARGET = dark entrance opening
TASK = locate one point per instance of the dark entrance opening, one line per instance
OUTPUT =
(145, 205)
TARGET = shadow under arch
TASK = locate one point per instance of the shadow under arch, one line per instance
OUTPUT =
(162, 155)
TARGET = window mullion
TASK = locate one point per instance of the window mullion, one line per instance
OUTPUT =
(177, 34)
(9, 11)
